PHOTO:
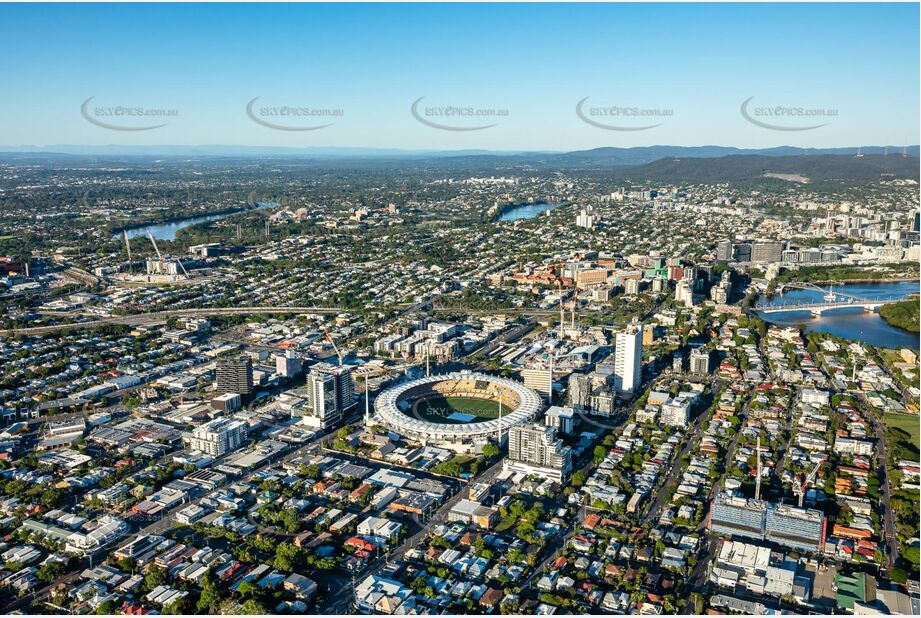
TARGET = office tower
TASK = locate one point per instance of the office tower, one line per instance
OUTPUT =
(536, 450)
(767, 251)
(579, 391)
(628, 359)
(235, 376)
(540, 379)
(742, 252)
(700, 362)
(916, 222)
(724, 251)
(218, 437)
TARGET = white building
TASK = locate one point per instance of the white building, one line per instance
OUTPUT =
(219, 436)
(628, 359)
(535, 449)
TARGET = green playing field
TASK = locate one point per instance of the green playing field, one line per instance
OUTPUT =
(439, 409)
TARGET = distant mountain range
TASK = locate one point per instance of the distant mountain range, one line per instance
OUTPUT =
(609, 156)
(744, 168)
(686, 164)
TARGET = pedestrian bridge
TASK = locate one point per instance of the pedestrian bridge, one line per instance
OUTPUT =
(831, 299)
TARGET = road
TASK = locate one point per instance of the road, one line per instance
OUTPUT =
(674, 468)
(882, 457)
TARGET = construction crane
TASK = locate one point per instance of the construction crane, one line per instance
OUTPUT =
(128, 247)
(160, 256)
(799, 490)
(333, 343)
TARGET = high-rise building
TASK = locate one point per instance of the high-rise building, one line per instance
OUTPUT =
(742, 252)
(288, 365)
(795, 527)
(628, 359)
(563, 420)
(632, 287)
(649, 334)
(235, 376)
(540, 379)
(535, 449)
(678, 362)
(700, 362)
(331, 393)
(738, 516)
(579, 391)
(684, 293)
(658, 284)
(724, 251)
(784, 524)
(218, 437)
(767, 251)
(586, 219)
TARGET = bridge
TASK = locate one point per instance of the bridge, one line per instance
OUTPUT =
(158, 317)
(830, 300)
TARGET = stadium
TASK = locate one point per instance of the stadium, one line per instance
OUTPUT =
(459, 411)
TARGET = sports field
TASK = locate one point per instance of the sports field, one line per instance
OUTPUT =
(440, 409)
(905, 422)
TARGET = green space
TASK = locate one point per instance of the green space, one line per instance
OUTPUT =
(905, 315)
(909, 423)
(439, 409)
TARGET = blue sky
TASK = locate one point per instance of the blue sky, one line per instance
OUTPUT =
(537, 61)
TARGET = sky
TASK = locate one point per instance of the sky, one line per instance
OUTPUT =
(521, 68)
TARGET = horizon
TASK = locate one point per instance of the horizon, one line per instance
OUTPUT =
(443, 78)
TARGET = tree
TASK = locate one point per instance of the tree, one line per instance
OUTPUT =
(600, 453)
(210, 597)
(248, 589)
(251, 607)
(156, 576)
(50, 571)
(490, 450)
(286, 557)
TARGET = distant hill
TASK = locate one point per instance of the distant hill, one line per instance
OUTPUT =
(617, 157)
(742, 168)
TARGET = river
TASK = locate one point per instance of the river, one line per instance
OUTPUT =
(849, 322)
(526, 211)
(168, 229)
